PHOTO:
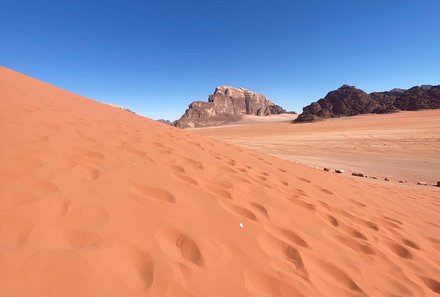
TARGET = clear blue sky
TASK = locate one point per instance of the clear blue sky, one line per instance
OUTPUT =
(156, 56)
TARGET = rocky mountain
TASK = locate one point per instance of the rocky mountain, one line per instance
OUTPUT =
(349, 101)
(163, 121)
(226, 105)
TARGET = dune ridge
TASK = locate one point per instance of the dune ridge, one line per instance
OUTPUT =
(98, 201)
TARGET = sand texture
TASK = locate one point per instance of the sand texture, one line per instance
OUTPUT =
(400, 146)
(97, 201)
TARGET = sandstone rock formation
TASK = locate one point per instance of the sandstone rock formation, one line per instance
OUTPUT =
(349, 101)
(226, 105)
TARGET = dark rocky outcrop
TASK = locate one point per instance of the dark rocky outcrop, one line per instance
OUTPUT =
(350, 101)
(416, 98)
(166, 122)
(226, 105)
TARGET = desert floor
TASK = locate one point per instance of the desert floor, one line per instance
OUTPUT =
(97, 201)
(400, 146)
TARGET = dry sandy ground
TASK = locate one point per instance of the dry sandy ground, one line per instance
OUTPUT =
(96, 201)
(400, 146)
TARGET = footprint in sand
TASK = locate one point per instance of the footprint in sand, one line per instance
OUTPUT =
(43, 138)
(260, 208)
(411, 244)
(302, 204)
(353, 244)
(399, 250)
(370, 225)
(237, 210)
(339, 276)
(301, 193)
(194, 163)
(86, 171)
(262, 178)
(132, 265)
(187, 179)
(177, 169)
(153, 193)
(231, 162)
(220, 192)
(304, 180)
(333, 220)
(391, 224)
(283, 182)
(179, 246)
(357, 203)
(353, 232)
(326, 191)
(286, 235)
(127, 147)
(431, 283)
(284, 252)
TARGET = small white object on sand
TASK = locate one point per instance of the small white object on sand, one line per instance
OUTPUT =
(241, 225)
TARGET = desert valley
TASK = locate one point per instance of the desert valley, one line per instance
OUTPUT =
(99, 201)
(402, 147)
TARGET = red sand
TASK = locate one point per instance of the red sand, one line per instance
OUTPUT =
(97, 201)
(400, 146)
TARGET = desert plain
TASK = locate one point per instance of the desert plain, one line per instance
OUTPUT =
(97, 201)
(403, 146)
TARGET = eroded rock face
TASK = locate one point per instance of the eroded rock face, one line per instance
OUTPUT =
(349, 101)
(226, 105)
(416, 98)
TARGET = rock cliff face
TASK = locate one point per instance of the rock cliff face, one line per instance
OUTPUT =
(349, 101)
(226, 105)
(423, 97)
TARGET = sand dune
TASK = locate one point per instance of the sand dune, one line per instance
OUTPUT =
(97, 201)
(400, 146)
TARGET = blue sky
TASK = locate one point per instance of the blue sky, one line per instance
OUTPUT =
(155, 57)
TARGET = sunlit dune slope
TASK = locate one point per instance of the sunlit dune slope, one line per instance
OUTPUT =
(97, 201)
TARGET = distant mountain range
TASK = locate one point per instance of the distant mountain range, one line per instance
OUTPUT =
(229, 104)
(350, 101)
